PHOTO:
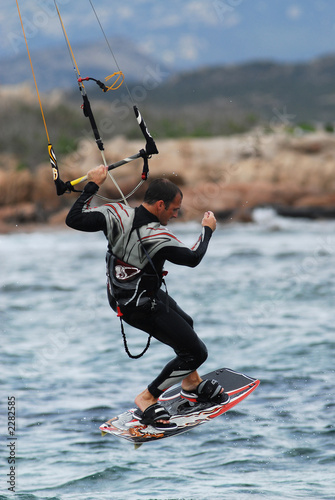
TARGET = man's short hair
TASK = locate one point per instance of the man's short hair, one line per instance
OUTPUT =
(161, 189)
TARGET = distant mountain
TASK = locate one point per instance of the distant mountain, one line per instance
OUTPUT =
(253, 91)
(185, 34)
(280, 93)
(211, 101)
(54, 69)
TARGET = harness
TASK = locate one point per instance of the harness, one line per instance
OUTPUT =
(125, 284)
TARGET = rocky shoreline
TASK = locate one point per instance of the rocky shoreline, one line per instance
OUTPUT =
(229, 175)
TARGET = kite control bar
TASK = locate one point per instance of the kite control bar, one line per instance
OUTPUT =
(150, 149)
(110, 167)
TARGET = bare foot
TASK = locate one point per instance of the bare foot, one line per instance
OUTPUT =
(146, 399)
(191, 382)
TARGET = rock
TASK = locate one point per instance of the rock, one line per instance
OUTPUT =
(316, 200)
(21, 213)
(228, 175)
(307, 212)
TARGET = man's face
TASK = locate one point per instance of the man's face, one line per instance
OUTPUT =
(165, 214)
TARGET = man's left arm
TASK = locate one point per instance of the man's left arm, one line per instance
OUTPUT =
(79, 216)
(82, 219)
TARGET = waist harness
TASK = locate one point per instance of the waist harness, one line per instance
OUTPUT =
(132, 287)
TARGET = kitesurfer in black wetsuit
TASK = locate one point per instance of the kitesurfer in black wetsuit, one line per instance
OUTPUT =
(138, 246)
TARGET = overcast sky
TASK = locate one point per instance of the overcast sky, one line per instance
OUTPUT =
(182, 33)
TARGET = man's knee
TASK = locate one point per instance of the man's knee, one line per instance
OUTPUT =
(203, 354)
(197, 356)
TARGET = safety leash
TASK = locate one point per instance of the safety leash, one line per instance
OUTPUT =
(125, 343)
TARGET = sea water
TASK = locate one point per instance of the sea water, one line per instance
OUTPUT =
(262, 299)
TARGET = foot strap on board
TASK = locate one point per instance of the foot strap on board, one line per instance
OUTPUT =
(208, 391)
(154, 415)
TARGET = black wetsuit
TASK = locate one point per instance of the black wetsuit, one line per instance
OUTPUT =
(140, 245)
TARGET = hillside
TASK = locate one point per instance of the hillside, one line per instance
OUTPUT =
(205, 103)
(54, 68)
(230, 176)
(232, 131)
(259, 91)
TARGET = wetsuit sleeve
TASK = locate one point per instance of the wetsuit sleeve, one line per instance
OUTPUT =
(83, 219)
(185, 256)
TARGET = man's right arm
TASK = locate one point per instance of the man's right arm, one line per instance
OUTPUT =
(184, 256)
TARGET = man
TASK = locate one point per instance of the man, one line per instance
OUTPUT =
(138, 246)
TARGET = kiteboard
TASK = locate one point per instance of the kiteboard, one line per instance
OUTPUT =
(184, 414)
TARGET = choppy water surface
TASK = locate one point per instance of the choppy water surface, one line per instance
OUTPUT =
(262, 300)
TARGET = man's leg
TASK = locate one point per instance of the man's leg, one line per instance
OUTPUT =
(146, 399)
(174, 328)
(191, 382)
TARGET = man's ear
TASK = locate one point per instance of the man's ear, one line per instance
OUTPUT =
(160, 205)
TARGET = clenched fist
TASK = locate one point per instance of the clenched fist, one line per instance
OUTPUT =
(98, 174)
(209, 220)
